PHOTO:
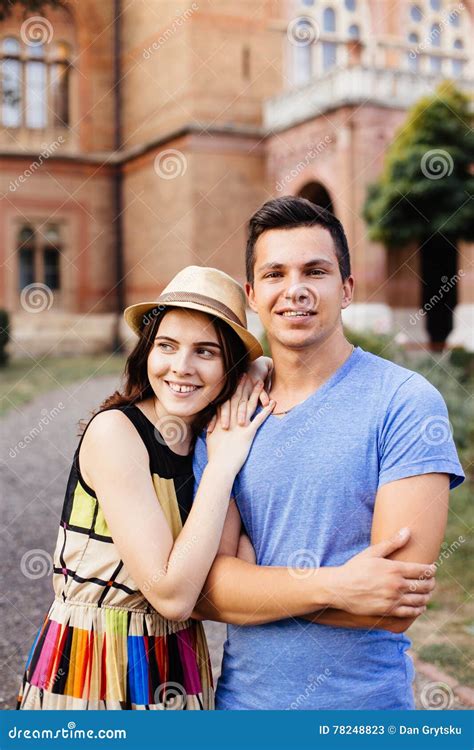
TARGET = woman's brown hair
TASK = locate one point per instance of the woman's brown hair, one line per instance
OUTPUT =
(136, 386)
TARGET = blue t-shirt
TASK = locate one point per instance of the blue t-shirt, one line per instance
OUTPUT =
(306, 498)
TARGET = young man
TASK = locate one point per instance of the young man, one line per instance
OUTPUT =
(356, 448)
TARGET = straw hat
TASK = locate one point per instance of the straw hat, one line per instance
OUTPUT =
(207, 290)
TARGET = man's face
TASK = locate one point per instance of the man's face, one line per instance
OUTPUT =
(298, 291)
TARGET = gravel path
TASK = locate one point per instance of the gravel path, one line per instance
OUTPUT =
(37, 445)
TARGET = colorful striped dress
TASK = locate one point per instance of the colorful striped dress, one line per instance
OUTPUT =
(102, 645)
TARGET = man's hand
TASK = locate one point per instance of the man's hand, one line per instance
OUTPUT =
(369, 584)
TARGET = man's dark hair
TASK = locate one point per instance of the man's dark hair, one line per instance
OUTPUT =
(289, 212)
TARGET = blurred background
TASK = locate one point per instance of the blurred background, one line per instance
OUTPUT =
(139, 136)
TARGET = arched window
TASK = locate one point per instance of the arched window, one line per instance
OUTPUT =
(329, 48)
(329, 19)
(435, 5)
(458, 65)
(413, 56)
(10, 74)
(455, 18)
(34, 83)
(415, 13)
(435, 35)
(35, 87)
(303, 55)
(60, 83)
(354, 31)
(351, 5)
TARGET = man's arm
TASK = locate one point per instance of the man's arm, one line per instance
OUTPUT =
(239, 592)
(421, 504)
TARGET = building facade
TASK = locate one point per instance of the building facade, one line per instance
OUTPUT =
(138, 138)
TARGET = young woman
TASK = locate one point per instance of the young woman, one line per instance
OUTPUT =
(133, 549)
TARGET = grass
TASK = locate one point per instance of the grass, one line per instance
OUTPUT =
(443, 635)
(24, 379)
(451, 659)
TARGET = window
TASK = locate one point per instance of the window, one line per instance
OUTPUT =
(435, 35)
(10, 69)
(60, 83)
(354, 31)
(329, 55)
(303, 61)
(351, 5)
(455, 18)
(413, 57)
(35, 87)
(415, 13)
(329, 19)
(435, 5)
(39, 254)
(435, 64)
(26, 252)
(458, 65)
(34, 84)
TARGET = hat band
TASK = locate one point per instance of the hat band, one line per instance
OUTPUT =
(200, 299)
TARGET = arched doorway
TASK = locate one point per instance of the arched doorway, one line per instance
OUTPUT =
(317, 193)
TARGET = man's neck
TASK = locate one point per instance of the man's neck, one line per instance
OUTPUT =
(299, 372)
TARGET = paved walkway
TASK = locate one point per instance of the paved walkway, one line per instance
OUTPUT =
(37, 444)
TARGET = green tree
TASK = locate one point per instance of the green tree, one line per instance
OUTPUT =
(424, 194)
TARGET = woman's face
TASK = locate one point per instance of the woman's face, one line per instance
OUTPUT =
(185, 364)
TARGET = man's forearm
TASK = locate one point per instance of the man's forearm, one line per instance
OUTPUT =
(341, 619)
(240, 593)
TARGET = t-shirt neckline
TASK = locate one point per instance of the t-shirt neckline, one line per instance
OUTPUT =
(335, 378)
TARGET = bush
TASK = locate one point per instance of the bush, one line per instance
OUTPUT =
(4, 336)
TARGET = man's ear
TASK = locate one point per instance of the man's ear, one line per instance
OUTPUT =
(347, 292)
(249, 291)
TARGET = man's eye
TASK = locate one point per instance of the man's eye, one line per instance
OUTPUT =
(272, 275)
(317, 272)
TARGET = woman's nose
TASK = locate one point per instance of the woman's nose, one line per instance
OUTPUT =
(181, 364)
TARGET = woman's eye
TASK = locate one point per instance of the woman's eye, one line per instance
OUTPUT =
(205, 353)
(164, 347)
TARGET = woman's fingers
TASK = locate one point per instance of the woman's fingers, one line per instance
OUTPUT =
(253, 400)
(264, 398)
(261, 416)
(212, 424)
(225, 415)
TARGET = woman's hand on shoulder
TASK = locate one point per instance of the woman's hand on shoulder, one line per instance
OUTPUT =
(229, 446)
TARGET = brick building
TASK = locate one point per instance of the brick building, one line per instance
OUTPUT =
(138, 138)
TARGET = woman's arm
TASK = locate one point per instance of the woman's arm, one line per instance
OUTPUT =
(241, 593)
(169, 573)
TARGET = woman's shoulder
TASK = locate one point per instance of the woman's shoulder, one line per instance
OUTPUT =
(114, 426)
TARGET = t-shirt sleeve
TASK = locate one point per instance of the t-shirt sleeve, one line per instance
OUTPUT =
(200, 463)
(199, 460)
(416, 436)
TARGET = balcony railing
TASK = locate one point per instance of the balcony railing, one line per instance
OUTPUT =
(351, 87)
